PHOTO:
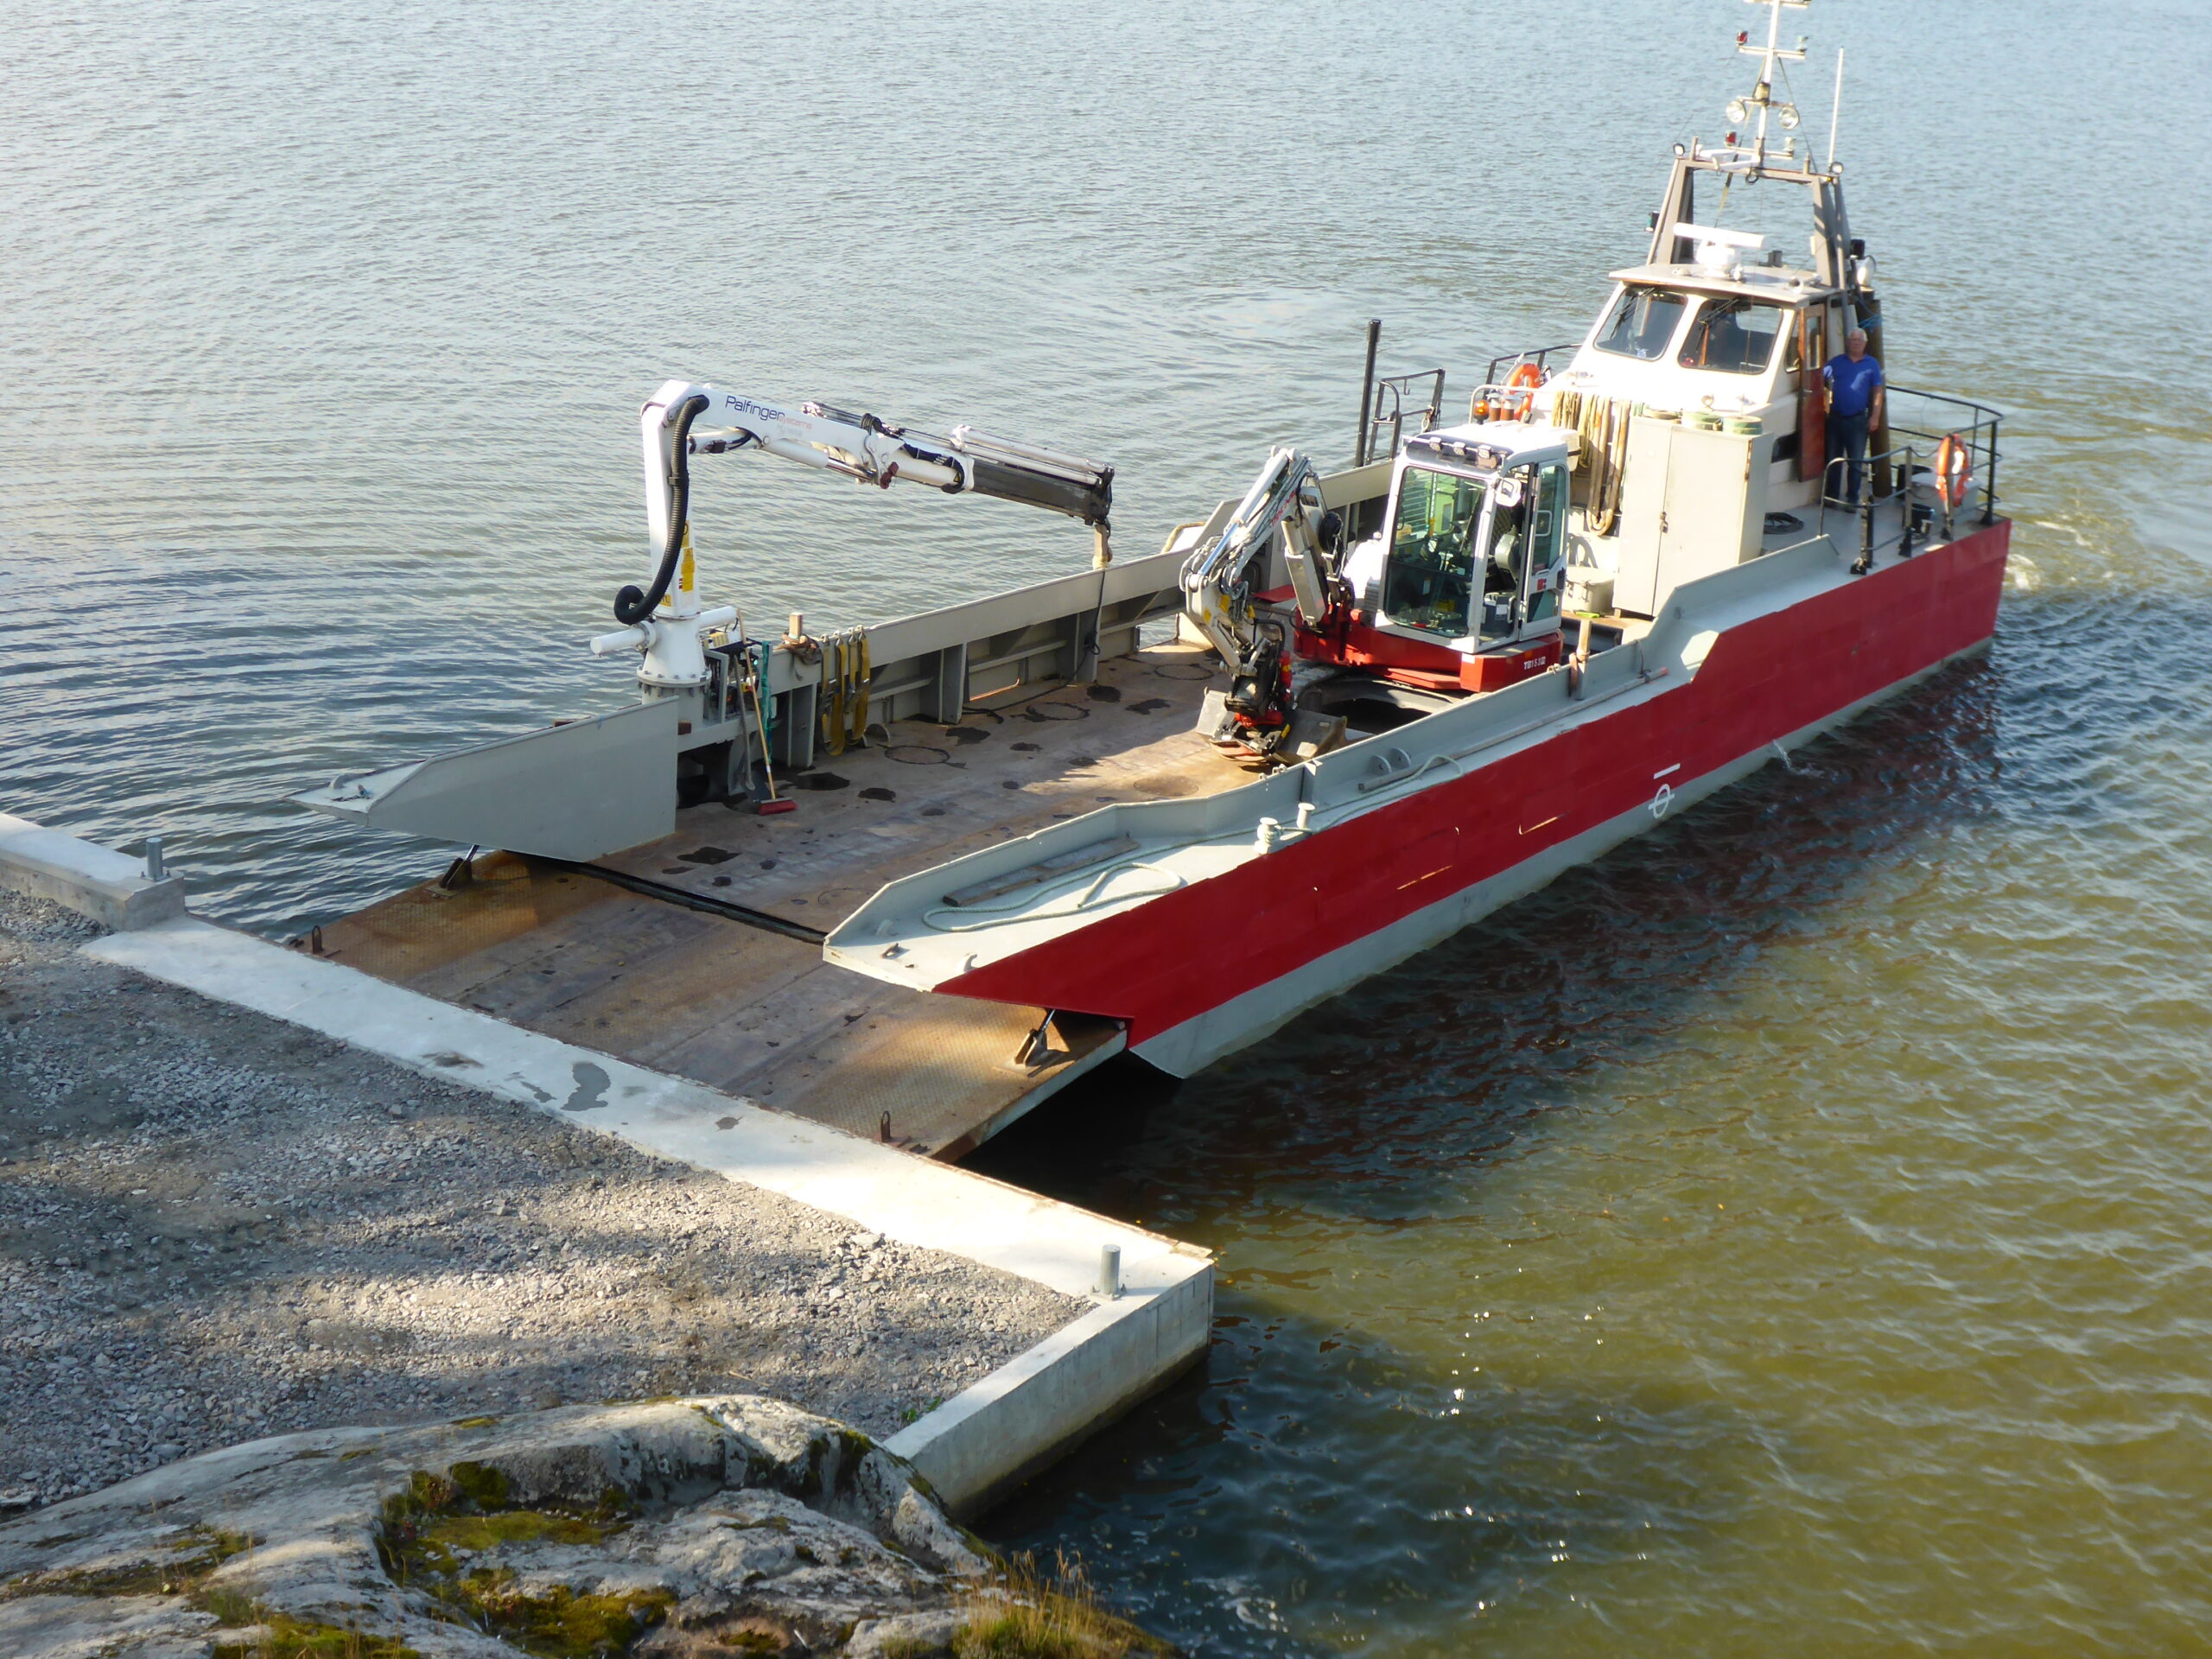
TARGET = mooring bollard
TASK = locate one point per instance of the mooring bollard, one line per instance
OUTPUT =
(155, 870)
(1109, 1271)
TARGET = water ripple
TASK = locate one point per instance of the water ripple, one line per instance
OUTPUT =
(1785, 1235)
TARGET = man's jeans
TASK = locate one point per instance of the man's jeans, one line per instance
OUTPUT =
(1846, 438)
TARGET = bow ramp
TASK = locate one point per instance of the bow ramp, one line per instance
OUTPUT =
(701, 953)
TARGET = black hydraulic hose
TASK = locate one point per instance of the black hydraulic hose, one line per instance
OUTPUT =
(631, 606)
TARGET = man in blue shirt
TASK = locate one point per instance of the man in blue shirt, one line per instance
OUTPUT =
(1854, 394)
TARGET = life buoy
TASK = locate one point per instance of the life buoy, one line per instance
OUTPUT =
(1528, 376)
(1953, 469)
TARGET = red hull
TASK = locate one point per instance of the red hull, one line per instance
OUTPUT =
(1176, 957)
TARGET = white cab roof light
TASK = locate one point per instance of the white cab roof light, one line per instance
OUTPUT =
(1491, 446)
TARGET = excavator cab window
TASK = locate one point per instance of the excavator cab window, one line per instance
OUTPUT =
(1429, 582)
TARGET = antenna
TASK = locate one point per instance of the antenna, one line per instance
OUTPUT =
(1836, 108)
(1762, 98)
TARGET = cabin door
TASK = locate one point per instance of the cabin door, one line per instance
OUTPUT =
(1525, 532)
(1807, 353)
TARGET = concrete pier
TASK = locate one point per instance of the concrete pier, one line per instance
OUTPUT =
(973, 1448)
(110, 888)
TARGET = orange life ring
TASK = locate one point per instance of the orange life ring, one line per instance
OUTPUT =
(1953, 469)
(1529, 375)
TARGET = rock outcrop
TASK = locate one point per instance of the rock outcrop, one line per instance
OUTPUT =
(710, 1526)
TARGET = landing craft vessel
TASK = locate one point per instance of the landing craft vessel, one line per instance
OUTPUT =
(1162, 805)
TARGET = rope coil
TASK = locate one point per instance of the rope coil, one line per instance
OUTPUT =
(1601, 423)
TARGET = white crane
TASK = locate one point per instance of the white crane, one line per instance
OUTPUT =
(681, 420)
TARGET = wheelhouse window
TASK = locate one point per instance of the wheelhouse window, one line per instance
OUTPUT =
(1642, 323)
(1733, 337)
(1429, 583)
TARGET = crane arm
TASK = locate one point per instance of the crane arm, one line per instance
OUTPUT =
(1217, 578)
(683, 420)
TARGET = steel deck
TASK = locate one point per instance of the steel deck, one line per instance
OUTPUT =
(668, 970)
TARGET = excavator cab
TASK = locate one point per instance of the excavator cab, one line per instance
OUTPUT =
(1429, 579)
(1471, 559)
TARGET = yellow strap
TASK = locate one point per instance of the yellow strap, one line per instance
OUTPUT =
(845, 672)
(857, 709)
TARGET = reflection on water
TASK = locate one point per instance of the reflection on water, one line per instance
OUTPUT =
(1787, 1234)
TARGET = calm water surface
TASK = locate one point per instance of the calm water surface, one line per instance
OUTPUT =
(1789, 1235)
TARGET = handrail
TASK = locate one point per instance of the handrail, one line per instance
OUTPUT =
(1908, 454)
(1983, 450)
(1514, 360)
(1399, 386)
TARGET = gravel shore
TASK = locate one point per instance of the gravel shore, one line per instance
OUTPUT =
(215, 1226)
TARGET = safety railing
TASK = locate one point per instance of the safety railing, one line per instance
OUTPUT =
(1920, 423)
(1502, 367)
(1910, 469)
(1393, 410)
(1931, 417)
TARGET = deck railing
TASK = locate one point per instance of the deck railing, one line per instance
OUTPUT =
(1394, 408)
(1919, 422)
(1500, 367)
(1935, 416)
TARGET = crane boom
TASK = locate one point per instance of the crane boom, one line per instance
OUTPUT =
(1219, 576)
(681, 420)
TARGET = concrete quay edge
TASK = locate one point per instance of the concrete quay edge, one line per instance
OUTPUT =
(974, 1448)
(93, 881)
(1039, 1406)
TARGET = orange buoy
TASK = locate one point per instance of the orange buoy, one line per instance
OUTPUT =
(1527, 376)
(1954, 470)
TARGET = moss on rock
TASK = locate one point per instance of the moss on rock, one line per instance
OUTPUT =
(193, 1554)
(557, 1623)
(432, 1529)
(260, 1635)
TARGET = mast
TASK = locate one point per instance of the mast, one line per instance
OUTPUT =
(1752, 156)
(1761, 100)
